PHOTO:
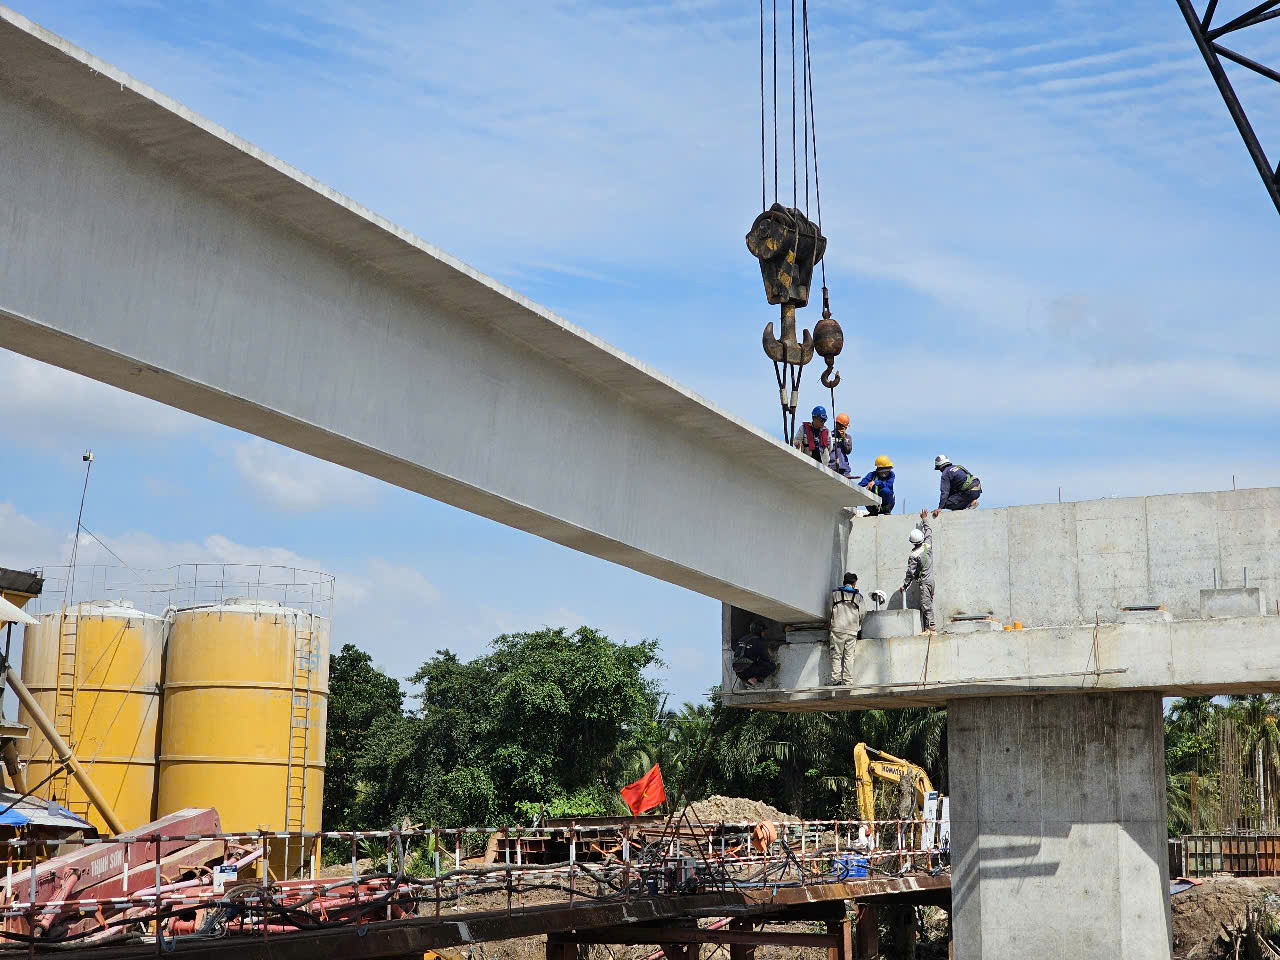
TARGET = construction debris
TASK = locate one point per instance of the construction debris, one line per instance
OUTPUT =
(719, 809)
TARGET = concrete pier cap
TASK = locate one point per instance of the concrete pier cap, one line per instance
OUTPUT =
(1140, 593)
(1056, 739)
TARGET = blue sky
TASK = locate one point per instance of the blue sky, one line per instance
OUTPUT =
(1049, 251)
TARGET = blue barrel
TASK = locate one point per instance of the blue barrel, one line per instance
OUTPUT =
(851, 867)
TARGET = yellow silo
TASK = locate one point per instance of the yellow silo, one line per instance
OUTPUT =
(245, 697)
(96, 674)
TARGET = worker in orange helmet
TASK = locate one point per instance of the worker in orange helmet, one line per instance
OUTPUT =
(841, 447)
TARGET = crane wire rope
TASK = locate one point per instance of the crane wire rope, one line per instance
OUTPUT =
(808, 129)
(794, 197)
(764, 202)
(788, 379)
(804, 99)
(813, 133)
(775, 101)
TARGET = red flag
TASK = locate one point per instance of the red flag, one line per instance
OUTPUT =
(646, 793)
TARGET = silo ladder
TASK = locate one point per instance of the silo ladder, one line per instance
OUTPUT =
(299, 739)
(64, 704)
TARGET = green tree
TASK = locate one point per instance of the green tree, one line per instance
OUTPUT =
(362, 699)
(539, 722)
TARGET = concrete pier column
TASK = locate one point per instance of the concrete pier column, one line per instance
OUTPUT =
(1058, 827)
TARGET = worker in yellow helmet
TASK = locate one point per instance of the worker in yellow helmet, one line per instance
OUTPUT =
(880, 482)
(841, 447)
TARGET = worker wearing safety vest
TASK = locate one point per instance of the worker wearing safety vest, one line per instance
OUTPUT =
(846, 622)
(841, 447)
(920, 569)
(880, 482)
(814, 441)
(960, 488)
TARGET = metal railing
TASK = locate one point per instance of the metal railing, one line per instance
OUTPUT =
(183, 585)
(420, 872)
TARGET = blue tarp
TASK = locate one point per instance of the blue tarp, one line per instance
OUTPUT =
(31, 810)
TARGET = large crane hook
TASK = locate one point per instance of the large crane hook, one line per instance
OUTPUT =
(788, 245)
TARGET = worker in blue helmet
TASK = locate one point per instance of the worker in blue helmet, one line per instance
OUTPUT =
(814, 441)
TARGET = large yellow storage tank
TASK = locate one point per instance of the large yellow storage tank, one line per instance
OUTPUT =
(111, 708)
(245, 699)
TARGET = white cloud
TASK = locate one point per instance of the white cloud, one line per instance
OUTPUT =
(393, 610)
(24, 543)
(62, 403)
(373, 600)
(296, 481)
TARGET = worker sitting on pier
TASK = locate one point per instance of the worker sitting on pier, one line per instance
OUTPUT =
(880, 482)
(841, 447)
(846, 622)
(960, 488)
(814, 440)
(752, 661)
(920, 569)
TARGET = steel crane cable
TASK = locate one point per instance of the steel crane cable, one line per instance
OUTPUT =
(763, 174)
(775, 101)
(813, 131)
(804, 100)
(794, 192)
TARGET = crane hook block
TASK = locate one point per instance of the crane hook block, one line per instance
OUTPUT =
(788, 245)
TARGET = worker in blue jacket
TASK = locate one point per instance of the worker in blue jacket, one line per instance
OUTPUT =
(880, 482)
(960, 489)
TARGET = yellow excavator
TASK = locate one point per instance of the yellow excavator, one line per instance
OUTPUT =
(896, 770)
(890, 768)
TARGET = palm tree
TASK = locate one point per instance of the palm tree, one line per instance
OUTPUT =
(674, 740)
(1191, 734)
(1256, 716)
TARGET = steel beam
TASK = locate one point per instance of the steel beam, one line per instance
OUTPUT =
(638, 935)
(1204, 38)
(868, 931)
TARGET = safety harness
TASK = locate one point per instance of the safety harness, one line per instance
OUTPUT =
(969, 478)
(924, 560)
(816, 444)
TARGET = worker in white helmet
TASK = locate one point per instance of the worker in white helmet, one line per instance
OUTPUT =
(960, 488)
(920, 569)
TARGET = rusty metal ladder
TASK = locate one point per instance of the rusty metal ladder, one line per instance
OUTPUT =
(295, 813)
(66, 692)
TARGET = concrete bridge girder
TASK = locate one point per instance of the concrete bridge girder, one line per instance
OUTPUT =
(150, 249)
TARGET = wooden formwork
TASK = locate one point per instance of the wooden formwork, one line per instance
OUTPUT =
(1243, 855)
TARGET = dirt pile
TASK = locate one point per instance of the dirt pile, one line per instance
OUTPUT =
(735, 810)
(1209, 918)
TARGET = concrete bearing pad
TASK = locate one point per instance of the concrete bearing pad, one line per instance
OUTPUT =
(883, 624)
